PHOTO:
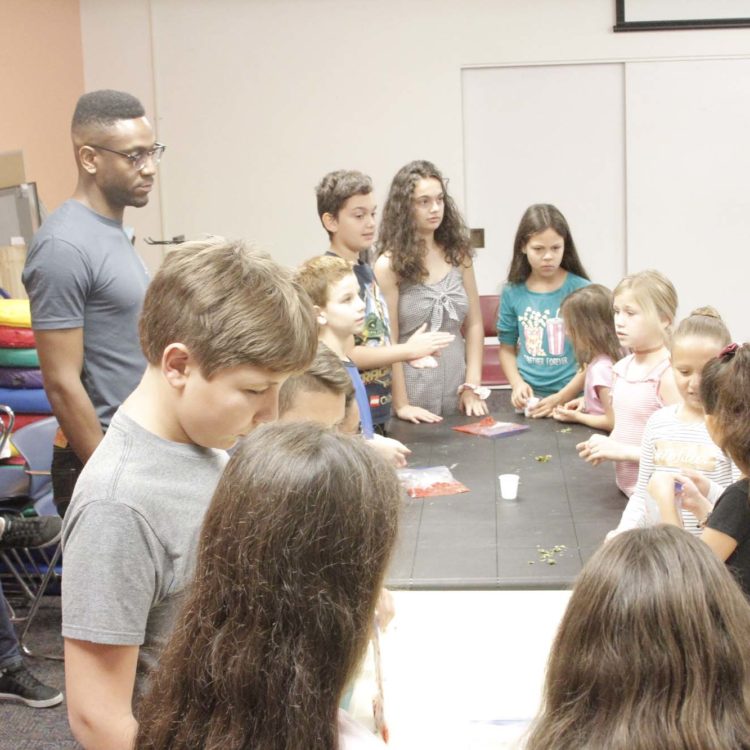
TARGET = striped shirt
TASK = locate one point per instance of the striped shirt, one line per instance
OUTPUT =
(670, 446)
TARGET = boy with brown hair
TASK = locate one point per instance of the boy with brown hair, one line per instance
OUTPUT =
(347, 208)
(222, 327)
(332, 286)
(323, 393)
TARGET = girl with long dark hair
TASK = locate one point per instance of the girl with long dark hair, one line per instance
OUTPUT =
(290, 564)
(535, 354)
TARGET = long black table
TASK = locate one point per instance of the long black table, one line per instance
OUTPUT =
(477, 540)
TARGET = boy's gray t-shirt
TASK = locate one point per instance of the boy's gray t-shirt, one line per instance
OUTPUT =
(130, 536)
(82, 271)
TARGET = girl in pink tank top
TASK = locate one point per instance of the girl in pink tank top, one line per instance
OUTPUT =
(644, 309)
(635, 397)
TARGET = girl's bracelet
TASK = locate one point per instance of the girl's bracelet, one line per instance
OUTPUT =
(702, 524)
(480, 391)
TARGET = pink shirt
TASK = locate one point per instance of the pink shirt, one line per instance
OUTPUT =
(598, 375)
(633, 401)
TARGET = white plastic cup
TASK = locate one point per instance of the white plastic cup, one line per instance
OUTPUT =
(508, 486)
(530, 404)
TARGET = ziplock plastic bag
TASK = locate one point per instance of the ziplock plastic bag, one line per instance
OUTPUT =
(488, 427)
(430, 482)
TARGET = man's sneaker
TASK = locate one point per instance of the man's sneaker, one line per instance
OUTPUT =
(18, 684)
(38, 531)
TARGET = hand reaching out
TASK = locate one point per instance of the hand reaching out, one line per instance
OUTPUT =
(392, 450)
(545, 407)
(423, 343)
(577, 404)
(563, 414)
(598, 448)
(569, 412)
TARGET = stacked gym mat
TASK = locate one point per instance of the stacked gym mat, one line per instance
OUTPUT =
(20, 377)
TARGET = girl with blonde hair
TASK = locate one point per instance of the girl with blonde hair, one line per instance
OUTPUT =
(725, 392)
(677, 451)
(645, 305)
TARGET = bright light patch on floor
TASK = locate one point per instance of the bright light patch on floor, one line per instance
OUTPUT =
(463, 669)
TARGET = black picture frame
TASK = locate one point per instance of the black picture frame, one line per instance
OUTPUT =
(673, 24)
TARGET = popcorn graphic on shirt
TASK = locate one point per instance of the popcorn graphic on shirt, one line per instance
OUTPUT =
(556, 336)
(534, 325)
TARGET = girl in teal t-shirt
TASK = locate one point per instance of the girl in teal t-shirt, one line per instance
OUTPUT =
(535, 354)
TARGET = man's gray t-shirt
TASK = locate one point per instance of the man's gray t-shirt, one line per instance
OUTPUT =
(83, 272)
(130, 536)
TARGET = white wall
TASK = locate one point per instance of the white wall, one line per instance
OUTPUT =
(688, 198)
(117, 46)
(256, 99)
(546, 134)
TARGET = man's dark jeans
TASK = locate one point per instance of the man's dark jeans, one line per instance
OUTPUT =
(66, 466)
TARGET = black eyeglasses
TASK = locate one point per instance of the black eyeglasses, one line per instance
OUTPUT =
(140, 159)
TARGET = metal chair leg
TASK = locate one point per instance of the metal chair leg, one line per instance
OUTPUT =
(32, 584)
(35, 607)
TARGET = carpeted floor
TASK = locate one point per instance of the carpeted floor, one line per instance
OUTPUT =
(23, 728)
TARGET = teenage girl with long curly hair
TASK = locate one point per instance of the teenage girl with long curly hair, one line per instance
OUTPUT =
(426, 274)
(290, 564)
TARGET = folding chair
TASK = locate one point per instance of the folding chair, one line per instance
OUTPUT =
(22, 487)
(492, 373)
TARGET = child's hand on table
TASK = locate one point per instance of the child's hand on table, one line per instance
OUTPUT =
(471, 405)
(545, 407)
(520, 394)
(563, 414)
(576, 404)
(417, 414)
(569, 412)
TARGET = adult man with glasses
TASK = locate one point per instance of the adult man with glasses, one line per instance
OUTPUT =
(86, 283)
